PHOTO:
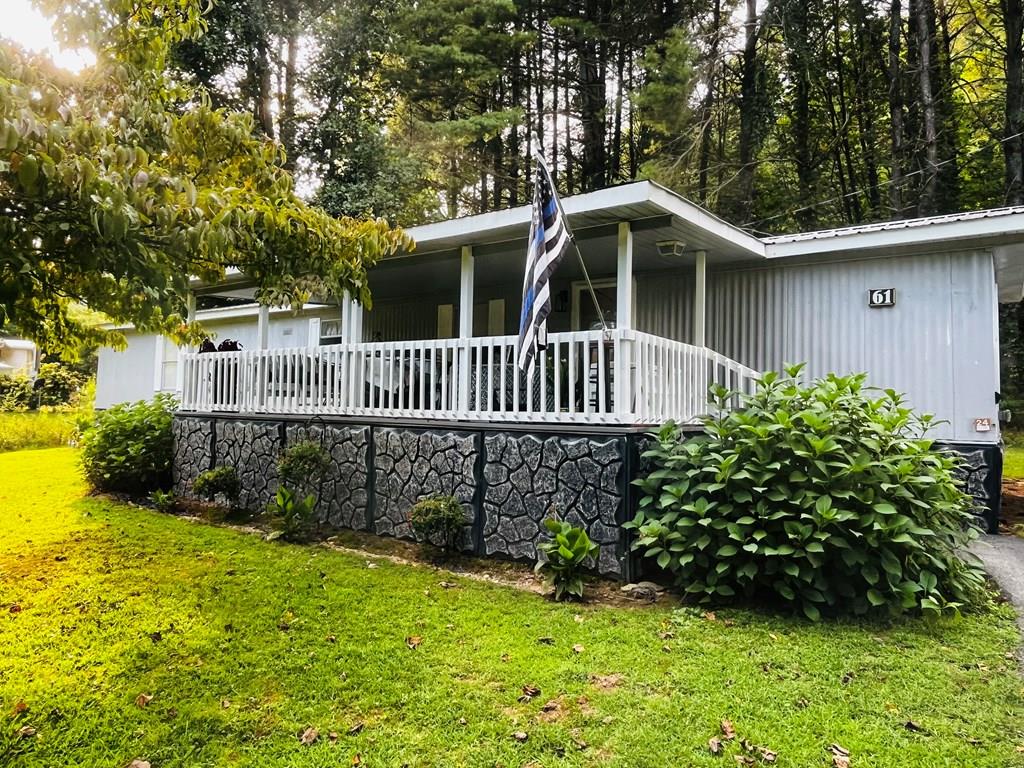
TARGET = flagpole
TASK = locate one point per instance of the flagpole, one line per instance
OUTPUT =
(539, 157)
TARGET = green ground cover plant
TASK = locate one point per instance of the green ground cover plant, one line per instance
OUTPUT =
(567, 553)
(128, 634)
(823, 495)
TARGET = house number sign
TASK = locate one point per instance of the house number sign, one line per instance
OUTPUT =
(881, 297)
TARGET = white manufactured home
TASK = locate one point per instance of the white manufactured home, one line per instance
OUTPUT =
(687, 298)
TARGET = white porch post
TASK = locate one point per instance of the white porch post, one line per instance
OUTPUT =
(190, 317)
(466, 278)
(351, 319)
(700, 300)
(263, 328)
(622, 383)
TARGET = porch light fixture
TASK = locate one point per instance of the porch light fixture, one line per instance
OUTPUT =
(671, 249)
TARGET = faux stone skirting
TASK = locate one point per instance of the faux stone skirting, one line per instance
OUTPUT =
(508, 481)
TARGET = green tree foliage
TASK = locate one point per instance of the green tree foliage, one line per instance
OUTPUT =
(119, 185)
(821, 495)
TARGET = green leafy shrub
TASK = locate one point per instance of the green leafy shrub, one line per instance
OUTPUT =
(163, 501)
(57, 385)
(302, 463)
(220, 481)
(819, 495)
(290, 516)
(128, 447)
(438, 519)
(566, 553)
(16, 393)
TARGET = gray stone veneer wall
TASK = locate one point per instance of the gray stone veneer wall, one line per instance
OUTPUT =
(252, 448)
(508, 482)
(411, 465)
(192, 453)
(529, 478)
(342, 496)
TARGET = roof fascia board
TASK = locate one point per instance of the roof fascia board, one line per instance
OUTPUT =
(706, 220)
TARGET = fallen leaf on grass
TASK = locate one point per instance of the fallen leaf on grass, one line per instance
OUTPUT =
(715, 745)
(357, 759)
(462, 721)
(847, 678)
(546, 640)
(743, 760)
(332, 639)
(840, 756)
(413, 641)
(910, 725)
(710, 615)
(20, 707)
(520, 736)
(356, 729)
(504, 658)
(225, 704)
(666, 635)
(143, 699)
(577, 648)
(15, 608)
(157, 636)
(137, 763)
(767, 755)
(448, 585)
(728, 731)
(308, 736)
(577, 618)
(529, 692)
(26, 731)
(551, 706)
(607, 682)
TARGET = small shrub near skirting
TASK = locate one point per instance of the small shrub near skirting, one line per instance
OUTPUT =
(218, 484)
(566, 555)
(438, 519)
(825, 496)
(127, 448)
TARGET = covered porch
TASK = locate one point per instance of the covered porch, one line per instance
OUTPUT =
(440, 340)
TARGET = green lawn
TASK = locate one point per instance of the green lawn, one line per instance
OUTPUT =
(1013, 462)
(243, 644)
(36, 430)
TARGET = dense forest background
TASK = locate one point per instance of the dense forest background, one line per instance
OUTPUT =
(777, 115)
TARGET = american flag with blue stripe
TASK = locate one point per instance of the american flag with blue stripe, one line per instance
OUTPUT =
(549, 238)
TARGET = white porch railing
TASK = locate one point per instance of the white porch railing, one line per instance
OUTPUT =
(622, 377)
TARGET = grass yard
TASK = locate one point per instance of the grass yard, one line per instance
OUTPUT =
(244, 644)
(33, 429)
(1013, 462)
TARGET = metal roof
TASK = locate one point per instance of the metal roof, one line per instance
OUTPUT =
(888, 226)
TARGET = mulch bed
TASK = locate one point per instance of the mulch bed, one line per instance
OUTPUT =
(1011, 515)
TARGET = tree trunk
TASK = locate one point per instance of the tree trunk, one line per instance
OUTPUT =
(707, 107)
(865, 73)
(748, 114)
(923, 26)
(287, 127)
(593, 163)
(896, 109)
(1013, 144)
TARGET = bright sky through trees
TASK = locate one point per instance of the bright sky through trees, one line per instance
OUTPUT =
(25, 25)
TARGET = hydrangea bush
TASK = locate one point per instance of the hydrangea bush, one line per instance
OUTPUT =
(827, 496)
